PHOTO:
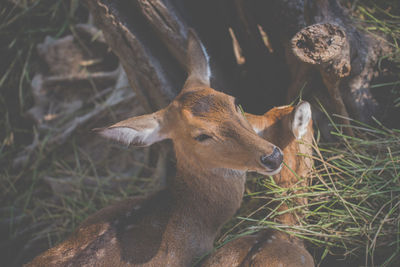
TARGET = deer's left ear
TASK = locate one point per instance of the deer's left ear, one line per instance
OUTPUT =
(257, 122)
(138, 131)
(301, 118)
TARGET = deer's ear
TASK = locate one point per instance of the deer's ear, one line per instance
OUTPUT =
(198, 67)
(138, 131)
(257, 122)
(301, 118)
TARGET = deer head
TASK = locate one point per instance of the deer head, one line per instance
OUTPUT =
(207, 128)
(291, 129)
(286, 126)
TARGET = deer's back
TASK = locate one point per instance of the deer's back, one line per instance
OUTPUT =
(128, 233)
(266, 249)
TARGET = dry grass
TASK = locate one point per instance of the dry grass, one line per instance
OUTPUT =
(353, 201)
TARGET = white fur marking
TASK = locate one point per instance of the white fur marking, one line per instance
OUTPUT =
(207, 60)
(104, 229)
(269, 241)
(303, 259)
(301, 119)
(258, 131)
(128, 135)
(254, 256)
(269, 173)
(282, 107)
(121, 134)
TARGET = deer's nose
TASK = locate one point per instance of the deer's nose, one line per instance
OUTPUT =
(274, 160)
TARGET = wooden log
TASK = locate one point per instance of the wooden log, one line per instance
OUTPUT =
(149, 38)
(140, 54)
(364, 52)
(346, 76)
(326, 47)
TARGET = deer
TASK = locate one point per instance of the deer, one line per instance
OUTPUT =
(214, 146)
(290, 128)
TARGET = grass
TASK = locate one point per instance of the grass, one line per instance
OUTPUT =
(353, 201)
(353, 208)
(361, 178)
(383, 18)
(48, 198)
(21, 29)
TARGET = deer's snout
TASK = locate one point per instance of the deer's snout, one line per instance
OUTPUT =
(274, 160)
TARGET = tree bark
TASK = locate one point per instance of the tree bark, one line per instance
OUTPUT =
(345, 57)
(263, 52)
(143, 58)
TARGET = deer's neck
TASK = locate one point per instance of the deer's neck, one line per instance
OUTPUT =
(298, 163)
(298, 166)
(207, 198)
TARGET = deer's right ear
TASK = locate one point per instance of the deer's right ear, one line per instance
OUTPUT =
(301, 118)
(198, 66)
(138, 131)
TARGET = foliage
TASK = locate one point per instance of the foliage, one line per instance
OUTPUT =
(353, 200)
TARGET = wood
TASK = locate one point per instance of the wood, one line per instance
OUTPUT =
(155, 86)
(346, 76)
(325, 46)
(152, 34)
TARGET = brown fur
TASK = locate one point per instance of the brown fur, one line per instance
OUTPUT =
(266, 249)
(271, 248)
(297, 153)
(179, 223)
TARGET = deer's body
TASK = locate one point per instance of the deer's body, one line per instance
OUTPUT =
(277, 126)
(271, 248)
(165, 229)
(214, 145)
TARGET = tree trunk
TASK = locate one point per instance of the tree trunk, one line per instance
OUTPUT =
(263, 52)
(345, 57)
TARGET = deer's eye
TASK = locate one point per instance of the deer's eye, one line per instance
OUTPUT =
(202, 137)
